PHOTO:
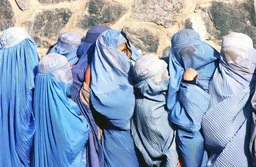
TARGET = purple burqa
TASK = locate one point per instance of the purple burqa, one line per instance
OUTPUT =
(94, 152)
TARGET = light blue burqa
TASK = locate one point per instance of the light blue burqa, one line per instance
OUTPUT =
(226, 124)
(18, 67)
(67, 46)
(187, 102)
(113, 98)
(61, 131)
(153, 135)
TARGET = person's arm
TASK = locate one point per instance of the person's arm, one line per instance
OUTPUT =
(88, 75)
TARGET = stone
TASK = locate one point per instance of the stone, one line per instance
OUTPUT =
(41, 43)
(6, 15)
(165, 53)
(232, 17)
(162, 12)
(23, 4)
(47, 24)
(143, 39)
(101, 13)
(52, 1)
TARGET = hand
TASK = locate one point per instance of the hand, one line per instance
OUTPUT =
(190, 74)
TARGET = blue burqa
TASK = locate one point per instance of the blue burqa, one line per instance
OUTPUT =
(61, 132)
(113, 98)
(67, 46)
(153, 135)
(94, 152)
(187, 102)
(226, 124)
(18, 67)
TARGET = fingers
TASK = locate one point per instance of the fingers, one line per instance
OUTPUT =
(190, 74)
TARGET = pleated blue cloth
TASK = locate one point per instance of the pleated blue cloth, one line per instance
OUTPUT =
(94, 152)
(61, 131)
(18, 62)
(153, 135)
(252, 144)
(188, 102)
(85, 52)
(67, 46)
(226, 124)
(113, 98)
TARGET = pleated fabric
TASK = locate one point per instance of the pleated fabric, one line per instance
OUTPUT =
(187, 102)
(18, 67)
(61, 131)
(113, 98)
(226, 124)
(94, 156)
(153, 135)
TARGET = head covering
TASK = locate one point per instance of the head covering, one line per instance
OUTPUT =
(153, 135)
(149, 67)
(188, 51)
(94, 152)
(85, 51)
(226, 123)
(112, 96)
(61, 132)
(67, 45)
(18, 61)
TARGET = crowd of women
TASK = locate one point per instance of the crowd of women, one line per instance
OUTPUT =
(97, 101)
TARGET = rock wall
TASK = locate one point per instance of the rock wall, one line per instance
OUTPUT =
(148, 23)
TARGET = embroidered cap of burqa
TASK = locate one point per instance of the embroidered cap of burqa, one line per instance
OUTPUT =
(61, 131)
(67, 46)
(226, 124)
(153, 135)
(188, 102)
(112, 96)
(18, 62)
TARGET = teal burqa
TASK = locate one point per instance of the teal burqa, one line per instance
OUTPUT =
(18, 67)
(61, 132)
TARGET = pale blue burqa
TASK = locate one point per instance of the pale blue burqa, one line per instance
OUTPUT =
(113, 98)
(67, 46)
(226, 124)
(187, 102)
(18, 62)
(61, 131)
(153, 135)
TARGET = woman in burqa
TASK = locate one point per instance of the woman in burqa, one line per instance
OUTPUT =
(226, 124)
(113, 98)
(61, 131)
(67, 45)
(18, 62)
(188, 98)
(153, 135)
(94, 152)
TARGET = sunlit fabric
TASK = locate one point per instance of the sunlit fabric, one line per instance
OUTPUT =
(94, 156)
(113, 98)
(61, 131)
(153, 135)
(67, 46)
(18, 67)
(226, 124)
(188, 102)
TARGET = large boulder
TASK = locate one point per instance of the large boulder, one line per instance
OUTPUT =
(47, 24)
(101, 12)
(6, 15)
(162, 12)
